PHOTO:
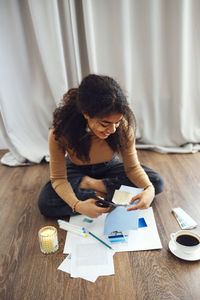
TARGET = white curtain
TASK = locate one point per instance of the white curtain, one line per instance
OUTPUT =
(151, 47)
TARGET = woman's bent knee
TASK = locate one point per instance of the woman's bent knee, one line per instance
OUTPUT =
(159, 184)
(42, 204)
(45, 194)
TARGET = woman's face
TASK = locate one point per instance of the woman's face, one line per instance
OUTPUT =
(103, 127)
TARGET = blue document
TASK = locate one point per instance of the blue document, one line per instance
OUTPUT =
(120, 219)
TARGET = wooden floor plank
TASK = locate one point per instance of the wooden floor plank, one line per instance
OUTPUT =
(26, 273)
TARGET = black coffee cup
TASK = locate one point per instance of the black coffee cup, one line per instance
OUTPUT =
(186, 241)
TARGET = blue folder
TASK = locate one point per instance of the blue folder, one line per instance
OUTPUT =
(120, 219)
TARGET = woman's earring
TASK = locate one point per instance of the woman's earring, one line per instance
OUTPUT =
(87, 129)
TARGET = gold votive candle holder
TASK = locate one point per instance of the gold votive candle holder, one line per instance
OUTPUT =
(48, 239)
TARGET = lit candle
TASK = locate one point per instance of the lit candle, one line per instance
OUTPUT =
(48, 239)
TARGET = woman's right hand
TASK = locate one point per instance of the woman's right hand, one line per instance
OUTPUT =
(90, 209)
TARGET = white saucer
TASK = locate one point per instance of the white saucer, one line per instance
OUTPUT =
(185, 256)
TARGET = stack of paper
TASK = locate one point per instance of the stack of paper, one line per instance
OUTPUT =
(89, 258)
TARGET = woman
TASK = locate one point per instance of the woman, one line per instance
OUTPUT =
(94, 125)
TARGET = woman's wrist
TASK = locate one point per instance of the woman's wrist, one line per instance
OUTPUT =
(75, 206)
(150, 188)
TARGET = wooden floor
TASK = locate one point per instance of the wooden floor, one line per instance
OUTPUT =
(26, 273)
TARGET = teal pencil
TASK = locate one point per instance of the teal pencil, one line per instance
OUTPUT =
(92, 234)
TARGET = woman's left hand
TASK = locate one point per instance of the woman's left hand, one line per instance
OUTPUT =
(145, 198)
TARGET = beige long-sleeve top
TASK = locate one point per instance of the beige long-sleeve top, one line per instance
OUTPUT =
(100, 152)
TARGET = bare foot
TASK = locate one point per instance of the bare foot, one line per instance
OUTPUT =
(92, 184)
(85, 182)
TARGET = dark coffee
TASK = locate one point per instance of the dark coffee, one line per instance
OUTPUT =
(187, 240)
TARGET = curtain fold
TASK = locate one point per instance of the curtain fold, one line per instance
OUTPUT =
(150, 47)
(39, 66)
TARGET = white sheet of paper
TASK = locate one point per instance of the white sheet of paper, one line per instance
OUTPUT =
(90, 260)
(145, 238)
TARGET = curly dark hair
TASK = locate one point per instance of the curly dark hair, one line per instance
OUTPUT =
(97, 96)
